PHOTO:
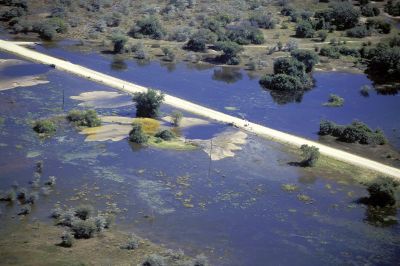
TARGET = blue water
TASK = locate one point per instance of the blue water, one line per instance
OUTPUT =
(218, 87)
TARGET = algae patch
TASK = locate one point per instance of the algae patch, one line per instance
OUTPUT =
(152, 193)
(102, 99)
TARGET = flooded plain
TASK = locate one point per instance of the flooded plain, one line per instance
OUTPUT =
(250, 208)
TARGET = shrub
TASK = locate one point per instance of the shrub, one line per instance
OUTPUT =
(199, 40)
(322, 35)
(280, 82)
(200, 260)
(137, 135)
(14, 12)
(244, 33)
(230, 52)
(10, 195)
(88, 118)
(263, 20)
(113, 20)
(344, 15)
(334, 101)
(176, 117)
(369, 10)
(169, 54)
(100, 222)
(51, 182)
(384, 62)
(150, 27)
(32, 198)
(26, 209)
(349, 51)
(393, 8)
(308, 58)
(380, 25)
(154, 260)
(358, 32)
(22, 194)
(382, 191)
(83, 228)
(119, 40)
(133, 243)
(56, 212)
(66, 239)
(148, 103)
(310, 155)
(66, 217)
(44, 127)
(304, 29)
(165, 135)
(294, 68)
(83, 212)
(330, 51)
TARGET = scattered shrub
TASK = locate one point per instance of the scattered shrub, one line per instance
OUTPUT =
(358, 32)
(150, 27)
(22, 193)
(83, 212)
(382, 191)
(119, 40)
(230, 52)
(169, 54)
(280, 82)
(51, 182)
(200, 260)
(393, 8)
(310, 155)
(330, 51)
(165, 135)
(154, 260)
(176, 117)
(137, 135)
(263, 20)
(67, 239)
(56, 212)
(346, 51)
(66, 217)
(308, 58)
(133, 243)
(88, 118)
(369, 10)
(334, 101)
(25, 210)
(322, 35)
(304, 29)
(180, 34)
(83, 228)
(244, 33)
(44, 127)
(148, 103)
(10, 195)
(380, 25)
(100, 222)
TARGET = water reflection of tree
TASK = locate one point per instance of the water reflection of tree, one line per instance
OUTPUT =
(227, 74)
(118, 65)
(170, 66)
(281, 97)
(381, 216)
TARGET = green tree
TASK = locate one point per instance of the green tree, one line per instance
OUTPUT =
(230, 52)
(308, 58)
(310, 155)
(119, 40)
(148, 103)
(137, 135)
(148, 26)
(304, 29)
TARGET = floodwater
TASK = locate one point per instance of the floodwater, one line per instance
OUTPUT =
(233, 209)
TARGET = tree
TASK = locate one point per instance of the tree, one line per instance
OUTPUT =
(292, 67)
(308, 58)
(263, 20)
(310, 155)
(230, 52)
(176, 117)
(148, 26)
(119, 40)
(304, 29)
(281, 82)
(137, 135)
(344, 15)
(199, 40)
(165, 135)
(382, 191)
(148, 103)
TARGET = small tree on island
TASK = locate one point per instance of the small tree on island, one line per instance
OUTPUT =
(148, 103)
(310, 155)
(137, 135)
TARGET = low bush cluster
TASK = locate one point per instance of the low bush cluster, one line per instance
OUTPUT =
(355, 132)
(310, 155)
(88, 118)
(148, 27)
(45, 126)
(382, 191)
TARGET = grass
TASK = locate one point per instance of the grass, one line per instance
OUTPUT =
(334, 101)
(150, 126)
(289, 187)
(175, 144)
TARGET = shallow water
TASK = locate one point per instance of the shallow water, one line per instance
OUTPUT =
(219, 87)
(233, 210)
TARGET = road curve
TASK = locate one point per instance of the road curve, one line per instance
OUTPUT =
(260, 130)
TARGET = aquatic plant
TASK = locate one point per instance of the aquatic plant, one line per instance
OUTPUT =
(382, 191)
(83, 228)
(32, 198)
(334, 101)
(133, 243)
(83, 212)
(25, 210)
(21, 193)
(154, 260)
(137, 135)
(88, 118)
(44, 127)
(148, 103)
(304, 198)
(176, 117)
(289, 187)
(310, 155)
(67, 239)
(51, 182)
(165, 134)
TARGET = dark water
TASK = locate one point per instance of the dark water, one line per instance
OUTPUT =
(240, 214)
(223, 87)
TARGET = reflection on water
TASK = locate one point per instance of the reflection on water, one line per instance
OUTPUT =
(227, 74)
(118, 64)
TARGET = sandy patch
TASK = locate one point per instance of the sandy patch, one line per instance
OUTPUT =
(102, 99)
(10, 62)
(114, 132)
(224, 145)
(117, 120)
(26, 81)
(187, 121)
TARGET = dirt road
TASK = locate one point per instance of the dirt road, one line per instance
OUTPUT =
(198, 109)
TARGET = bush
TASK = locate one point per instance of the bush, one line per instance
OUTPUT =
(199, 40)
(369, 10)
(382, 191)
(176, 117)
(113, 20)
(322, 35)
(165, 135)
(25, 210)
(154, 260)
(66, 239)
(230, 52)
(44, 127)
(392, 8)
(31, 198)
(88, 118)
(83, 228)
(137, 135)
(14, 12)
(180, 34)
(150, 27)
(380, 25)
(308, 58)
(344, 15)
(263, 20)
(133, 243)
(384, 62)
(294, 68)
(346, 51)
(334, 101)
(83, 212)
(310, 155)
(65, 217)
(244, 33)
(8, 196)
(280, 82)
(304, 29)
(358, 32)
(169, 54)
(119, 40)
(330, 51)
(148, 103)
(51, 181)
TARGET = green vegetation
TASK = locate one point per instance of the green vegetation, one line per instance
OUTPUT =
(133, 243)
(393, 8)
(382, 191)
(119, 40)
(358, 32)
(148, 103)
(304, 29)
(342, 15)
(148, 27)
(289, 187)
(45, 126)
(165, 134)
(88, 118)
(67, 239)
(176, 117)
(136, 135)
(83, 212)
(310, 155)
(334, 101)
(369, 10)
(230, 52)
(154, 260)
(308, 58)
(83, 228)
(355, 132)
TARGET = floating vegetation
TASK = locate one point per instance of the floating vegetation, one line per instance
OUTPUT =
(179, 144)
(334, 101)
(44, 127)
(289, 187)
(108, 173)
(223, 145)
(102, 99)
(304, 198)
(152, 193)
(87, 118)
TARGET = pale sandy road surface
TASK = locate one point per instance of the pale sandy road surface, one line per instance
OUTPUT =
(200, 110)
